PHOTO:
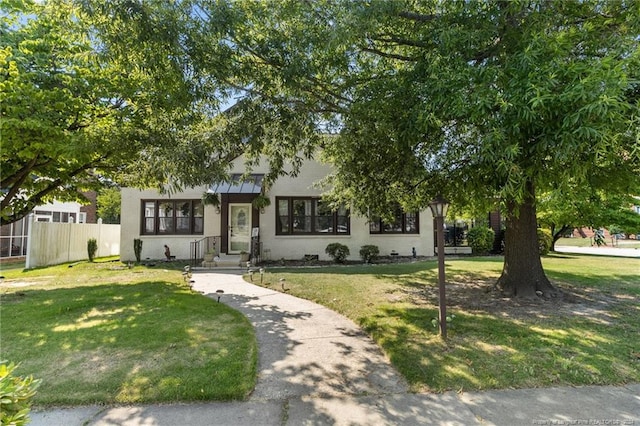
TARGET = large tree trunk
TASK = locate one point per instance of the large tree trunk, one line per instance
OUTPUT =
(522, 273)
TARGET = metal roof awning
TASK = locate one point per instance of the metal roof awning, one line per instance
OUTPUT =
(250, 185)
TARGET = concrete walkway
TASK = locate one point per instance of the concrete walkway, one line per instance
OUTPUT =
(619, 251)
(318, 368)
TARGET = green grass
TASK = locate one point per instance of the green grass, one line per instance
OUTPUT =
(493, 342)
(103, 333)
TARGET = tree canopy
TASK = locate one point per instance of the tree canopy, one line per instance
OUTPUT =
(486, 103)
(65, 112)
(587, 208)
(108, 203)
(86, 103)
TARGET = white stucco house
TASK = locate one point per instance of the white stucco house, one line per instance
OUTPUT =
(295, 224)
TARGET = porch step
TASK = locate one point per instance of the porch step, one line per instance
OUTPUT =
(224, 262)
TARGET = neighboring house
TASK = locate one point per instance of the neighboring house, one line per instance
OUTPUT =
(295, 224)
(59, 212)
(89, 212)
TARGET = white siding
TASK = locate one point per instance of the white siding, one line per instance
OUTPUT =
(296, 246)
(153, 245)
(277, 246)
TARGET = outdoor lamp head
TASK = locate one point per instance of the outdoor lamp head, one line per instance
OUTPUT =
(439, 206)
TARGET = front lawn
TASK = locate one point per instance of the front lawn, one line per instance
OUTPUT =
(103, 333)
(589, 337)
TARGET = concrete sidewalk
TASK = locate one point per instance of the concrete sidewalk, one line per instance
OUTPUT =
(600, 251)
(318, 368)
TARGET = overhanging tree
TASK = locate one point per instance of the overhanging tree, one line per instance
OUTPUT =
(524, 97)
(483, 102)
(202, 43)
(74, 113)
(85, 103)
(477, 101)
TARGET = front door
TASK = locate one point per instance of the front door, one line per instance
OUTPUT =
(239, 228)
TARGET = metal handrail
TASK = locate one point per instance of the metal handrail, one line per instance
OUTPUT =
(205, 245)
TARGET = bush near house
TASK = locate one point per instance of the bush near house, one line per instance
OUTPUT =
(545, 240)
(338, 252)
(480, 239)
(369, 253)
(92, 248)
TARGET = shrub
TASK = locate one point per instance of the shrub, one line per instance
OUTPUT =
(480, 239)
(137, 248)
(338, 252)
(369, 253)
(92, 248)
(615, 229)
(15, 396)
(544, 241)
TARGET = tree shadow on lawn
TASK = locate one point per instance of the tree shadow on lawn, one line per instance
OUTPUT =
(476, 292)
(489, 351)
(498, 342)
(124, 342)
(611, 283)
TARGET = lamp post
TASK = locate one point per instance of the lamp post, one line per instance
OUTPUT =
(439, 210)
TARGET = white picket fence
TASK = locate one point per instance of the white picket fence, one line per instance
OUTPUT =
(51, 243)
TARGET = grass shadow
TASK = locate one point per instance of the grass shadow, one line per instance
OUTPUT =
(144, 342)
(306, 350)
(486, 351)
(494, 342)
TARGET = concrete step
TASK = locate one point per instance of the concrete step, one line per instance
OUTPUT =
(224, 261)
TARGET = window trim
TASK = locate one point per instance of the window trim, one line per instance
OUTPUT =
(175, 203)
(312, 217)
(403, 230)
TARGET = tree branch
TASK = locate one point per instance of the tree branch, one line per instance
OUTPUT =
(389, 55)
(417, 17)
(272, 63)
(22, 173)
(36, 199)
(390, 38)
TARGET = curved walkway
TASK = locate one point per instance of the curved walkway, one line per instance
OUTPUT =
(316, 367)
(304, 349)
